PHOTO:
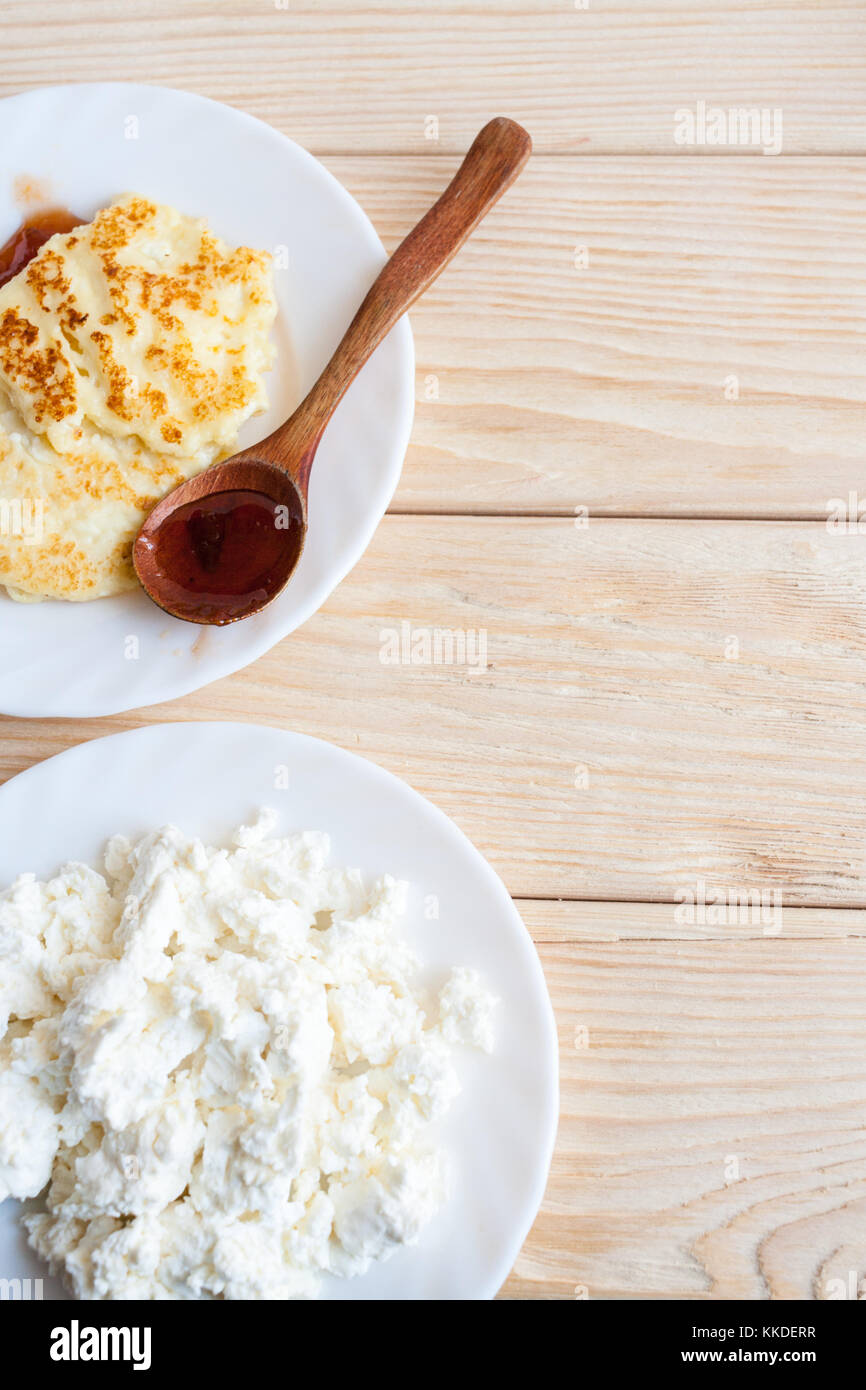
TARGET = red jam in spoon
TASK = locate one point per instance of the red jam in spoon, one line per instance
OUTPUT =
(228, 552)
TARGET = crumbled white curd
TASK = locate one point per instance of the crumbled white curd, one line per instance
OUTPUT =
(220, 1062)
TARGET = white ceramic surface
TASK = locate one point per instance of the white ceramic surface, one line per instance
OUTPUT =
(207, 778)
(86, 144)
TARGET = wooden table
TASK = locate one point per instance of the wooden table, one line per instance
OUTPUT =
(639, 389)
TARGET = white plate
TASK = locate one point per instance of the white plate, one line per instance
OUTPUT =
(87, 144)
(207, 778)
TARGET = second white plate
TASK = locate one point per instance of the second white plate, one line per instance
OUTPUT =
(82, 146)
(208, 778)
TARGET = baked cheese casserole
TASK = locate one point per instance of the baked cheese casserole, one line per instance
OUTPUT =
(131, 352)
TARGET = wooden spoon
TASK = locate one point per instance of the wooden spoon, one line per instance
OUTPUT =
(222, 546)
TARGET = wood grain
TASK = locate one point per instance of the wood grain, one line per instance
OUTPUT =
(495, 159)
(342, 76)
(707, 361)
(711, 1143)
(662, 703)
(559, 922)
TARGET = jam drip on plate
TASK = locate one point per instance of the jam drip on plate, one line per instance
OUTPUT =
(30, 237)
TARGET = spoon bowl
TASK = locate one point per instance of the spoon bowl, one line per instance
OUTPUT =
(222, 546)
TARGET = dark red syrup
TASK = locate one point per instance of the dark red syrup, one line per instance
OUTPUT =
(227, 554)
(30, 237)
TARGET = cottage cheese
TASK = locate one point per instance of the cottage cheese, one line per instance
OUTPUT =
(220, 1062)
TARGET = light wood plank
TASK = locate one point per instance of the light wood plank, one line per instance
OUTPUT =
(610, 748)
(342, 76)
(706, 362)
(712, 1140)
(561, 922)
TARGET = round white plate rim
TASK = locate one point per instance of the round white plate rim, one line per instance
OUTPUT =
(457, 837)
(402, 333)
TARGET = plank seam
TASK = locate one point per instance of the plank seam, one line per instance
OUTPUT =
(665, 902)
(610, 516)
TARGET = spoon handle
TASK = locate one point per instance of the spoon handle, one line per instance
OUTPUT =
(496, 157)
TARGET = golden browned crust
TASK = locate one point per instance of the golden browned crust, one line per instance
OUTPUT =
(37, 367)
(131, 351)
